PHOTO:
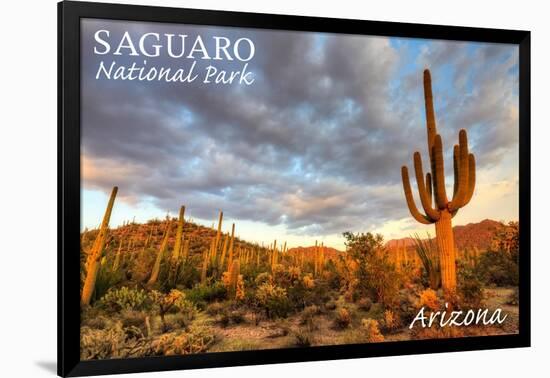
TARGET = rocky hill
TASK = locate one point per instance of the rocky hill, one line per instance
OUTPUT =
(467, 236)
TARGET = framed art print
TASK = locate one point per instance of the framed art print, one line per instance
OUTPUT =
(240, 188)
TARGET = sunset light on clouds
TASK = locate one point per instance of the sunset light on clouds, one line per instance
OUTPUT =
(311, 149)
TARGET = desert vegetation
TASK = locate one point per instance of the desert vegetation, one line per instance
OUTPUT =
(173, 286)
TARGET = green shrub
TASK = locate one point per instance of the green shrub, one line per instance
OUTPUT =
(470, 290)
(308, 317)
(497, 268)
(195, 340)
(302, 338)
(200, 295)
(171, 302)
(263, 278)
(343, 318)
(370, 331)
(364, 304)
(132, 318)
(106, 279)
(125, 298)
(113, 342)
(273, 300)
(215, 308)
(513, 299)
(375, 276)
(230, 317)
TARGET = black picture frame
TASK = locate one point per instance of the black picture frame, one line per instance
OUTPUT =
(69, 15)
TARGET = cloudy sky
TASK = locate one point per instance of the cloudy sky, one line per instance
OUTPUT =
(311, 149)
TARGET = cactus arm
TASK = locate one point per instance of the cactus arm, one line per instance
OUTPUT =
(429, 187)
(438, 172)
(456, 169)
(410, 200)
(218, 234)
(471, 178)
(463, 170)
(425, 199)
(430, 113)
(231, 242)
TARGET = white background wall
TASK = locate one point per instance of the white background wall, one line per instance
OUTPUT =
(28, 186)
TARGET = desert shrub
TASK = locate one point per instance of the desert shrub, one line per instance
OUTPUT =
(513, 299)
(175, 299)
(427, 252)
(140, 268)
(364, 304)
(125, 298)
(273, 300)
(229, 317)
(307, 317)
(215, 308)
(195, 340)
(263, 278)
(370, 272)
(470, 290)
(308, 281)
(240, 291)
(179, 320)
(106, 278)
(370, 331)
(113, 342)
(498, 268)
(436, 332)
(383, 284)
(188, 275)
(408, 305)
(342, 318)
(428, 298)
(280, 276)
(351, 293)
(332, 276)
(200, 295)
(133, 318)
(390, 322)
(96, 321)
(499, 265)
(302, 338)
(294, 273)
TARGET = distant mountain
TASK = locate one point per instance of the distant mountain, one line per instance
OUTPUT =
(394, 243)
(468, 236)
(476, 234)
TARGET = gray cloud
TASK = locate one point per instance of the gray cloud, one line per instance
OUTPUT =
(316, 143)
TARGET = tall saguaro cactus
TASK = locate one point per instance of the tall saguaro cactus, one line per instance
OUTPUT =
(437, 207)
(164, 245)
(175, 259)
(92, 265)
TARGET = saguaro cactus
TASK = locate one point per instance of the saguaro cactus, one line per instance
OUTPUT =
(175, 259)
(234, 278)
(94, 258)
(219, 233)
(179, 234)
(231, 243)
(156, 267)
(438, 209)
